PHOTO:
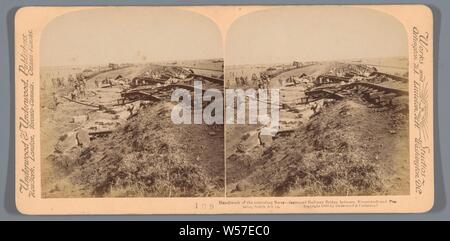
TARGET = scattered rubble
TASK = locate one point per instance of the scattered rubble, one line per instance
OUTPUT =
(343, 131)
(83, 138)
(80, 119)
(119, 140)
(66, 142)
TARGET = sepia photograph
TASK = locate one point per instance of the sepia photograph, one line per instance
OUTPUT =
(106, 80)
(195, 111)
(343, 128)
(252, 109)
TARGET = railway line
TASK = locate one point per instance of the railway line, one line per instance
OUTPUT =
(373, 93)
(151, 91)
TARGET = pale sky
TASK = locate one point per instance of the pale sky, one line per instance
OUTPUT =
(122, 35)
(314, 33)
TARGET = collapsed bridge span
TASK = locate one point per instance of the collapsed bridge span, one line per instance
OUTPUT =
(214, 80)
(374, 93)
(325, 79)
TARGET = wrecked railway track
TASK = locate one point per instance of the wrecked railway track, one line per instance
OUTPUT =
(374, 93)
(116, 124)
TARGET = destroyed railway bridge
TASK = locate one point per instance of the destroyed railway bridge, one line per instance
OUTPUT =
(147, 90)
(373, 93)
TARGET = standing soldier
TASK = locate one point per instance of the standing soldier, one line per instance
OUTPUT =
(63, 82)
(83, 88)
(77, 89)
(73, 95)
(58, 81)
(242, 81)
(254, 80)
(82, 85)
(262, 80)
(70, 80)
(55, 101)
(53, 82)
(267, 82)
(80, 78)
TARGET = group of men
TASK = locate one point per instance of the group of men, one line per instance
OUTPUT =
(262, 82)
(79, 86)
(58, 82)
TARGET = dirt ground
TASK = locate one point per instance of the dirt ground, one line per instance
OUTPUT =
(148, 156)
(348, 149)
